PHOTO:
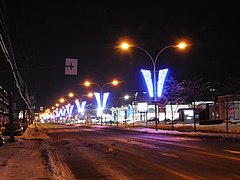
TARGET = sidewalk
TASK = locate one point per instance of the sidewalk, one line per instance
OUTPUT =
(27, 163)
(31, 157)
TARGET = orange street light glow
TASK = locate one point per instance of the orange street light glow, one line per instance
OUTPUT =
(115, 82)
(90, 94)
(87, 83)
(70, 94)
(182, 45)
(124, 45)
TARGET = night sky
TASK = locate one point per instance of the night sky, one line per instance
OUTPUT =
(44, 33)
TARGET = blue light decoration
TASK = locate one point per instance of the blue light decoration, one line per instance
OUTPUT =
(161, 79)
(62, 112)
(160, 83)
(69, 109)
(101, 106)
(80, 108)
(105, 97)
(57, 113)
(148, 80)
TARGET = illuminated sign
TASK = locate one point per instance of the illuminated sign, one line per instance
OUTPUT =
(142, 107)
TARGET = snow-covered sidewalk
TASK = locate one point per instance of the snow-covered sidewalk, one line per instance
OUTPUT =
(204, 131)
(31, 157)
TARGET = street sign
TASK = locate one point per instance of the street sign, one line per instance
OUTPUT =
(71, 66)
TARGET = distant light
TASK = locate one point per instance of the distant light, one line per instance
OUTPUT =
(90, 94)
(126, 97)
(148, 80)
(70, 94)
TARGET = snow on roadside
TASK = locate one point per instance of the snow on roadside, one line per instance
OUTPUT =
(32, 157)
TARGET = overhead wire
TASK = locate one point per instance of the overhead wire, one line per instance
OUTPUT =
(10, 58)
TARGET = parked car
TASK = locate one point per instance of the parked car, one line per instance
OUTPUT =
(2, 140)
(17, 129)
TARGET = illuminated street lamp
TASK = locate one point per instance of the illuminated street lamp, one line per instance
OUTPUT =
(181, 45)
(102, 97)
(71, 95)
(79, 103)
(62, 100)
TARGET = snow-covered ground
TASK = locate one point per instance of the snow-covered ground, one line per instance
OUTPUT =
(31, 157)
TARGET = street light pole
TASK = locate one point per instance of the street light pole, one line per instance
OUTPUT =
(115, 82)
(134, 106)
(154, 60)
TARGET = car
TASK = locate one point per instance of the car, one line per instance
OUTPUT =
(2, 140)
(17, 129)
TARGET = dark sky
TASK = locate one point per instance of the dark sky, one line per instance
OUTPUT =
(44, 33)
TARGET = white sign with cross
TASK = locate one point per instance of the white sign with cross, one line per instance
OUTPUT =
(71, 66)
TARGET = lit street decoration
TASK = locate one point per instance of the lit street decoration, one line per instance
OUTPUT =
(161, 79)
(101, 104)
(149, 83)
(105, 97)
(57, 113)
(148, 80)
(153, 91)
(81, 107)
(101, 97)
(69, 109)
(62, 112)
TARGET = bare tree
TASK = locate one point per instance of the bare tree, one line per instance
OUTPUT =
(228, 86)
(194, 90)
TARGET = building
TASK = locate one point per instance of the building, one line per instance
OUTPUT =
(226, 107)
(4, 104)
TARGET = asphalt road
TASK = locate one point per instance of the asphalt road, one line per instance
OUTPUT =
(105, 153)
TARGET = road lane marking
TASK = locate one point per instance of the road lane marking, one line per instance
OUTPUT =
(169, 155)
(219, 155)
(232, 151)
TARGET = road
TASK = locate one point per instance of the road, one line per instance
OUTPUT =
(106, 153)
